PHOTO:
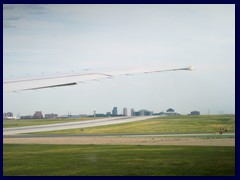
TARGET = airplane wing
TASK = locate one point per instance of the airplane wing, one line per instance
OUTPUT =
(75, 78)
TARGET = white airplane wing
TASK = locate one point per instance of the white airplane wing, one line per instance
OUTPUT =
(75, 78)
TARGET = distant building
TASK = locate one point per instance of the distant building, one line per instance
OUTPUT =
(100, 115)
(38, 115)
(195, 113)
(132, 112)
(26, 117)
(143, 112)
(125, 111)
(80, 116)
(7, 115)
(108, 114)
(64, 116)
(114, 111)
(51, 116)
(162, 113)
(148, 113)
(170, 112)
(137, 113)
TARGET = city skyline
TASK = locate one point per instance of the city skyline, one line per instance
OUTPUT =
(55, 39)
(124, 112)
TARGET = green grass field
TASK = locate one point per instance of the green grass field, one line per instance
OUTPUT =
(77, 160)
(32, 122)
(167, 124)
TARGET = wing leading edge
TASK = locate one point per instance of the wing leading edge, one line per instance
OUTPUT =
(74, 79)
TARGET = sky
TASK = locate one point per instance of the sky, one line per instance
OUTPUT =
(55, 39)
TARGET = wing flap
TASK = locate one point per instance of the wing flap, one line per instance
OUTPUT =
(53, 86)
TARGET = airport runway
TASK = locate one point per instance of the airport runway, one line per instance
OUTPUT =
(74, 125)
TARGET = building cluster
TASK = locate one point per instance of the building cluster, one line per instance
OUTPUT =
(39, 115)
(144, 112)
(113, 113)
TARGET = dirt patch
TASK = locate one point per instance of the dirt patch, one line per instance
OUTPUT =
(122, 140)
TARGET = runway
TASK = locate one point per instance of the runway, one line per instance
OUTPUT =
(74, 125)
(19, 135)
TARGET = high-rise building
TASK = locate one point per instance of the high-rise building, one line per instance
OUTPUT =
(125, 111)
(132, 112)
(142, 112)
(114, 111)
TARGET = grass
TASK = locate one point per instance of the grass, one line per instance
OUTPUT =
(118, 160)
(32, 122)
(167, 124)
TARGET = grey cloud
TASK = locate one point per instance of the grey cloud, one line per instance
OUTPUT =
(9, 6)
(7, 22)
(36, 8)
(7, 25)
(11, 18)
(13, 13)
(38, 12)
(26, 8)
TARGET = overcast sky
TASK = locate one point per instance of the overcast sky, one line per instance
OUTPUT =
(53, 39)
